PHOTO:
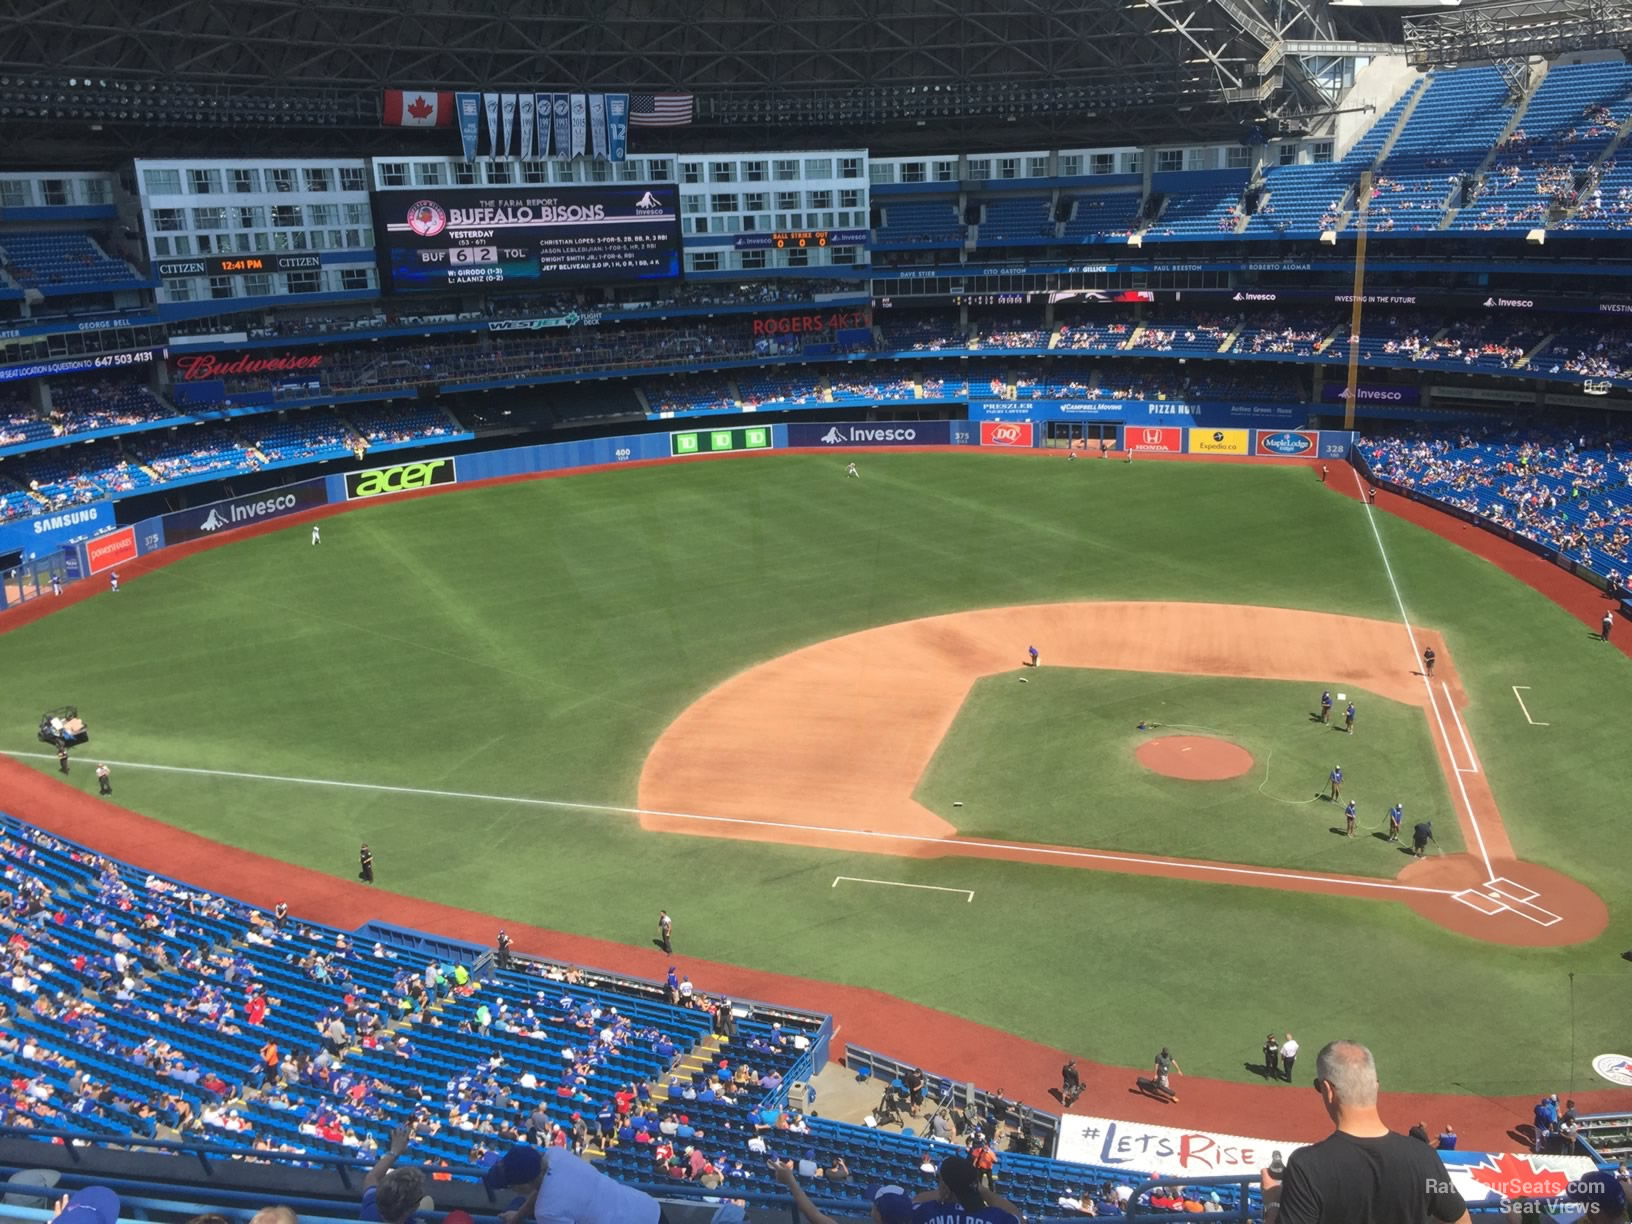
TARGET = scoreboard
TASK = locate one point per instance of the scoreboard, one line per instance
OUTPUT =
(806, 239)
(527, 237)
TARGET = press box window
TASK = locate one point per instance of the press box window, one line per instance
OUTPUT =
(354, 278)
(303, 282)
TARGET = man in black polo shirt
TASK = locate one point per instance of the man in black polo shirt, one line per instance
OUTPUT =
(1363, 1173)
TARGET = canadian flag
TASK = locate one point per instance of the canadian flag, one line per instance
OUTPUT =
(418, 108)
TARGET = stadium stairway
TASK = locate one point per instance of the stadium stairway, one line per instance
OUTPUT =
(1538, 74)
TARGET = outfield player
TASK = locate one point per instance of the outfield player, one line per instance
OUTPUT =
(1326, 706)
(56, 584)
(1348, 719)
(1348, 819)
(850, 470)
(1396, 814)
(113, 581)
(317, 536)
(1335, 779)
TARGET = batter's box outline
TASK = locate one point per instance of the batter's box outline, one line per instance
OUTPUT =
(1511, 890)
(1490, 901)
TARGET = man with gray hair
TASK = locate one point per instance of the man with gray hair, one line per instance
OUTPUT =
(1363, 1173)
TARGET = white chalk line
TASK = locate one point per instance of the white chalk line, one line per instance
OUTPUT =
(1327, 881)
(967, 893)
(1416, 657)
(1526, 708)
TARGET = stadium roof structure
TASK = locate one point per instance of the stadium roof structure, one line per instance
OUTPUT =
(895, 75)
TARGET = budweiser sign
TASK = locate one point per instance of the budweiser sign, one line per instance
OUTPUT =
(211, 365)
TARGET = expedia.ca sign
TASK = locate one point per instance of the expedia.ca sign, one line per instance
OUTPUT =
(378, 482)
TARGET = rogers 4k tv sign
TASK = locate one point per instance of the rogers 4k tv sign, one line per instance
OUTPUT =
(380, 482)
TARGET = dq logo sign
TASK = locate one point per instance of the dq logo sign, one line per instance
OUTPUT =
(381, 481)
(1005, 433)
(1162, 439)
(1285, 442)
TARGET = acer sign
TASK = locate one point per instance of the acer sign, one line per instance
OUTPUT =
(1005, 433)
(215, 365)
(801, 324)
(379, 482)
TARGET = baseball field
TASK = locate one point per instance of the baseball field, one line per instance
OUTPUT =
(787, 707)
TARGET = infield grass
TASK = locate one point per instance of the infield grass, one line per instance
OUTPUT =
(534, 639)
(1071, 733)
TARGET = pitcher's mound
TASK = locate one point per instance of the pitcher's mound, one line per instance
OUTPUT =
(1195, 758)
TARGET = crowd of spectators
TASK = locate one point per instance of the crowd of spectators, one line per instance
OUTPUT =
(1567, 488)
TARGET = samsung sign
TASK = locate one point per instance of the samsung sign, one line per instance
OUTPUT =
(903, 433)
(223, 516)
(46, 533)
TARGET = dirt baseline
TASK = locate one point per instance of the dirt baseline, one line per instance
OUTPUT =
(825, 746)
(1194, 758)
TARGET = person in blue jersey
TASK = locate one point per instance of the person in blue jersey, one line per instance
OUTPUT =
(1335, 781)
(1396, 815)
(1326, 706)
(1348, 718)
(1348, 819)
(959, 1198)
(1421, 836)
(1032, 651)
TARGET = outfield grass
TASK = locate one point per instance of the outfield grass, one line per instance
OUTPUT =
(1053, 761)
(534, 640)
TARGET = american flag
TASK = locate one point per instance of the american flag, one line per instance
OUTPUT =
(660, 110)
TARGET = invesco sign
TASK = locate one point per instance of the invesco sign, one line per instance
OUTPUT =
(377, 482)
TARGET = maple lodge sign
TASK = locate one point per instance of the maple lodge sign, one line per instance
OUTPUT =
(218, 365)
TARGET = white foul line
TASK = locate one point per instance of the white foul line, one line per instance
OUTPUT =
(1526, 708)
(917, 838)
(969, 893)
(1416, 655)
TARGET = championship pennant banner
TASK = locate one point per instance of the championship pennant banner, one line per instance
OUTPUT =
(536, 127)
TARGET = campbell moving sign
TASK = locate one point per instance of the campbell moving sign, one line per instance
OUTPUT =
(217, 365)
(378, 482)
(800, 324)
(221, 516)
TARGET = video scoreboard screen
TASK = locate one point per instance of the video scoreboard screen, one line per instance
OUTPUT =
(524, 237)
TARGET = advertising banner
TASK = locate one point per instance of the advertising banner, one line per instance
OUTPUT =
(1484, 1179)
(197, 367)
(1166, 1151)
(1287, 443)
(1005, 433)
(1371, 393)
(888, 433)
(378, 482)
(47, 533)
(1162, 439)
(1144, 412)
(234, 512)
(715, 441)
(105, 552)
(1218, 441)
(810, 322)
